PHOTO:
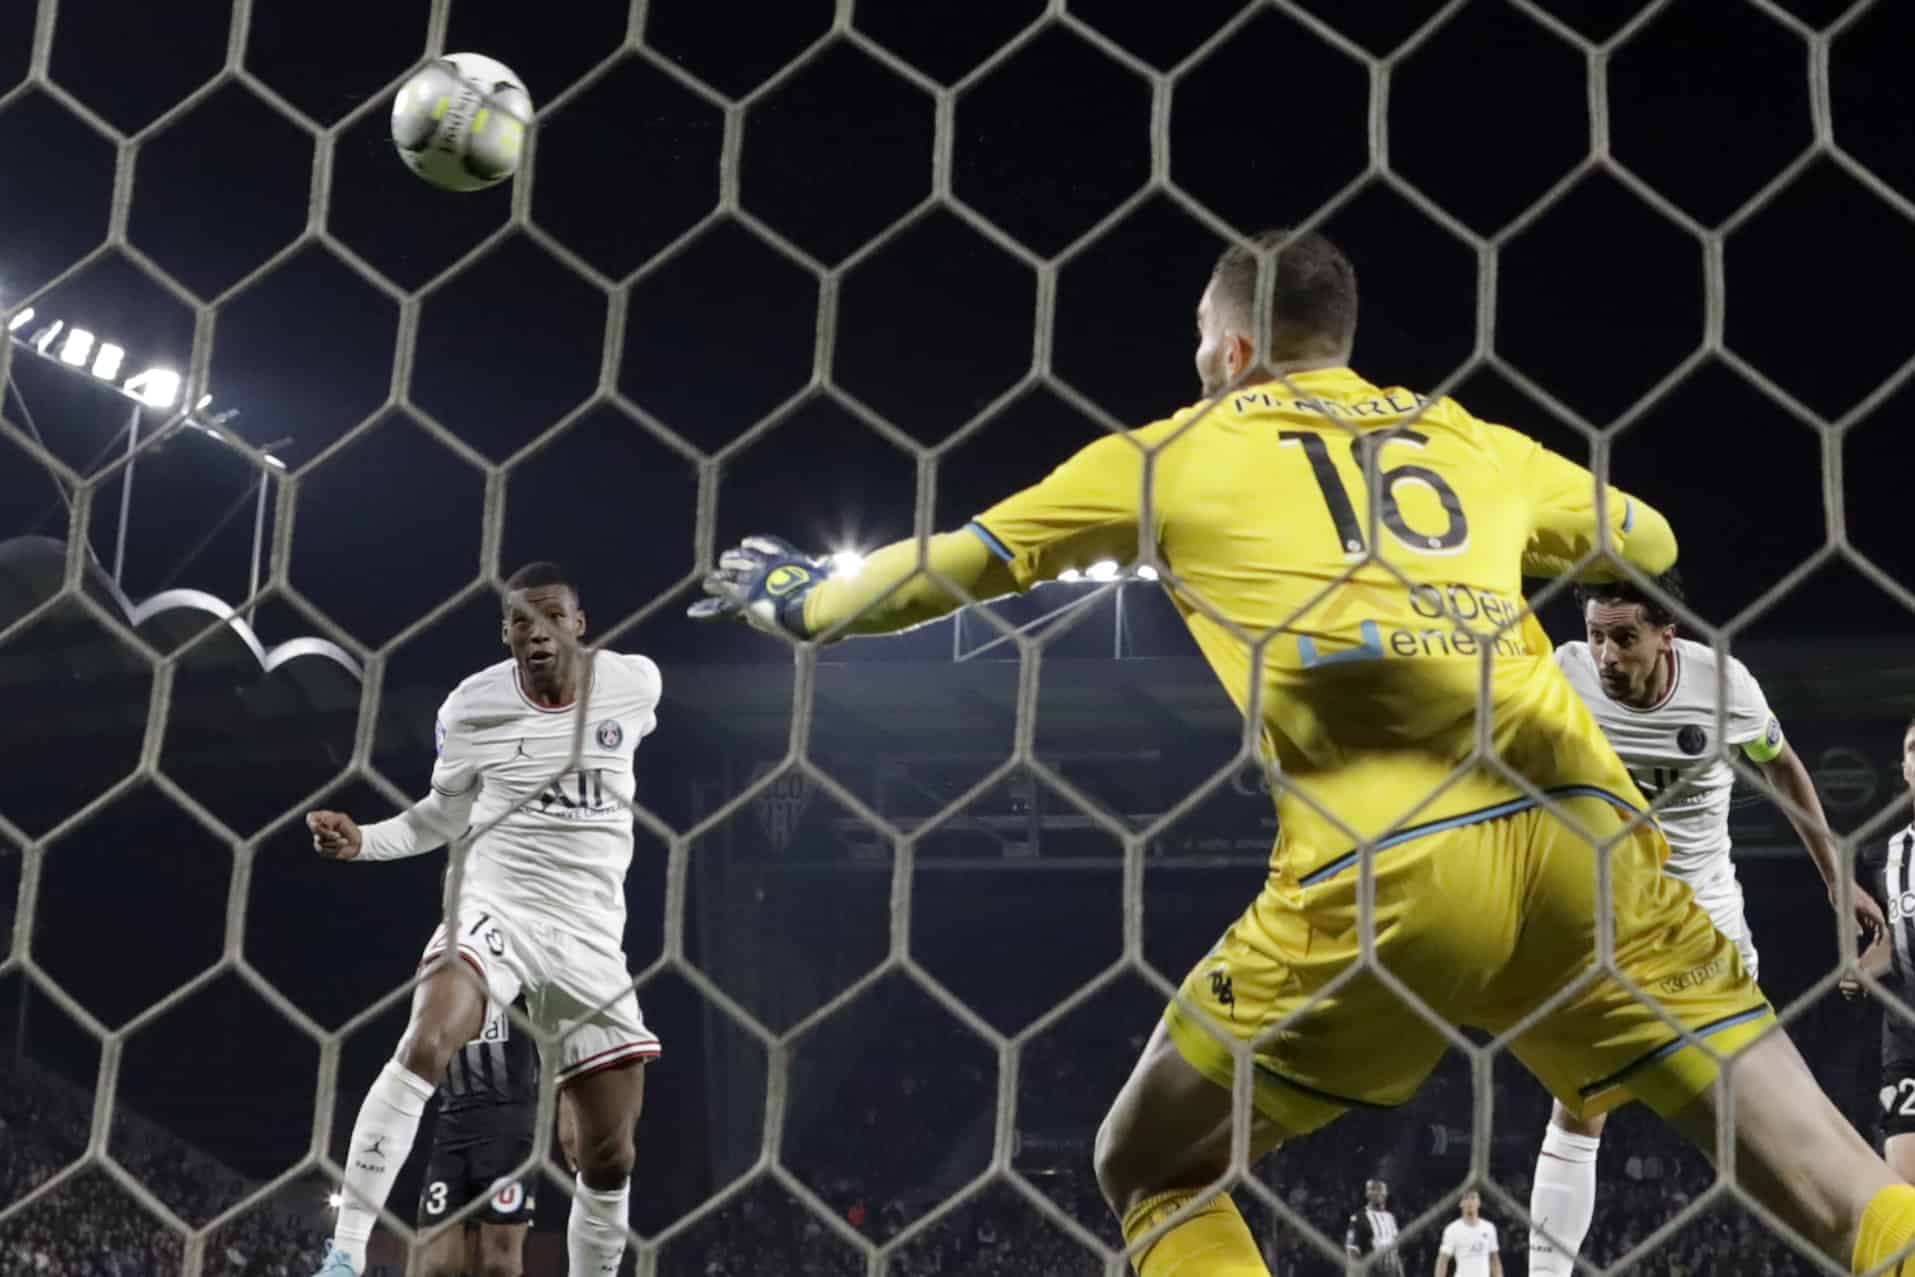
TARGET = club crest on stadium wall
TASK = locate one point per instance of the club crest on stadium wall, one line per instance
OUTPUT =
(781, 804)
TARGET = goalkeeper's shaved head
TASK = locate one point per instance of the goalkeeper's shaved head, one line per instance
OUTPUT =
(1312, 307)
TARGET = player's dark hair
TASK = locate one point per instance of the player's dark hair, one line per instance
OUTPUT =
(1313, 301)
(1622, 593)
(534, 575)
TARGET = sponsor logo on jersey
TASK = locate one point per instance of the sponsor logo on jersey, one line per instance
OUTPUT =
(1692, 740)
(610, 734)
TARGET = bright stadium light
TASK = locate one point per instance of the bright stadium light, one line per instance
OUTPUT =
(20, 320)
(847, 563)
(1102, 570)
(106, 365)
(1145, 572)
(155, 387)
(335, 1200)
(78, 345)
(1070, 576)
(44, 338)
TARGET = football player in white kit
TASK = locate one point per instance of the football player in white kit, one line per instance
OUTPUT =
(1655, 696)
(1470, 1243)
(540, 910)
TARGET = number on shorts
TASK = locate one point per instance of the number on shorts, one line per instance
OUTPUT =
(1905, 1090)
(436, 1197)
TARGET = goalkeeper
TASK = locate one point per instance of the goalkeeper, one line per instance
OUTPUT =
(1378, 540)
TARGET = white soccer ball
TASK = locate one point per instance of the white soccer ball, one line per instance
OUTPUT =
(460, 123)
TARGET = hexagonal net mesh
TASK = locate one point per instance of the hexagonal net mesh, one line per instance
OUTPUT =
(1010, 1051)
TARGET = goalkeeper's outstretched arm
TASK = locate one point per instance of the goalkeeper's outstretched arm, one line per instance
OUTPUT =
(889, 593)
(1086, 510)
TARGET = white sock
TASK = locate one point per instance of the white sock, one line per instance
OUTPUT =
(1562, 1200)
(381, 1142)
(595, 1234)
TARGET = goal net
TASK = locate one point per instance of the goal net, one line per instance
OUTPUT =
(903, 914)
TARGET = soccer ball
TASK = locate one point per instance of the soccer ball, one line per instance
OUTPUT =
(459, 123)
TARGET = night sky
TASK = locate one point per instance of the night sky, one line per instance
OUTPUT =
(1598, 299)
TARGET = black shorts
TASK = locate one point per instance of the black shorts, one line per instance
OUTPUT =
(460, 1173)
(1898, 1098)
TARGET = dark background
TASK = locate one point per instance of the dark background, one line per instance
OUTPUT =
(661, 325)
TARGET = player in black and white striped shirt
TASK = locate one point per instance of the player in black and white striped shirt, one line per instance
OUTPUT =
(1372, 1231)
(1888, 870)
(488, 1106)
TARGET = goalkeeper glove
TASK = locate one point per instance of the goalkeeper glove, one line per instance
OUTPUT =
(763, 582)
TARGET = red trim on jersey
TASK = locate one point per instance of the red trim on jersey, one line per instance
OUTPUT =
(1675, 680)
(598, 1063)
(543, 709)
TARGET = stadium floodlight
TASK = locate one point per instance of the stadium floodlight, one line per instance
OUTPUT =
(1145, 572)
(106, 365)
(154, 387)
(847, 563)
(77, 346)
(44, 338)
(1070, 576)
(203, 401)
(335, 1200)
(20, 320)
(1102, 570)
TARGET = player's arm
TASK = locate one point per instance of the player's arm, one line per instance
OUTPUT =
(1350, 1238)
(1564, 521)
(1443, 1262)
(1876, 962)
(442, 815)
(1495, 1264)
(1087, 509)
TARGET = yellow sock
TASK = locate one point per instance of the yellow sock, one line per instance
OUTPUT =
(1887, 1226)
(1213, 1242)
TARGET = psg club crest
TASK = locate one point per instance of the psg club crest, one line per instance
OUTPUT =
(1692, 740)
(781, 804)
(610, 734)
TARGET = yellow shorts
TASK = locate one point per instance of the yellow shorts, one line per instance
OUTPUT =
(1483, 917)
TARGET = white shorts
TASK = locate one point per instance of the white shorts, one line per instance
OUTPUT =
(574, 989)
(1720, 895)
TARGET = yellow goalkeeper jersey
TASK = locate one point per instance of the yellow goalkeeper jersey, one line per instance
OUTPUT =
(1363, 671)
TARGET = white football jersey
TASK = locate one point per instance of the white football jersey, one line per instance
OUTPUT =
(1469, 1246)
(1661, 744)
(563, 839)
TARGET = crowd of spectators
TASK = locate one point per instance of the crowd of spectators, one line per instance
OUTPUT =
(899, 1134)
(90, 1226)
